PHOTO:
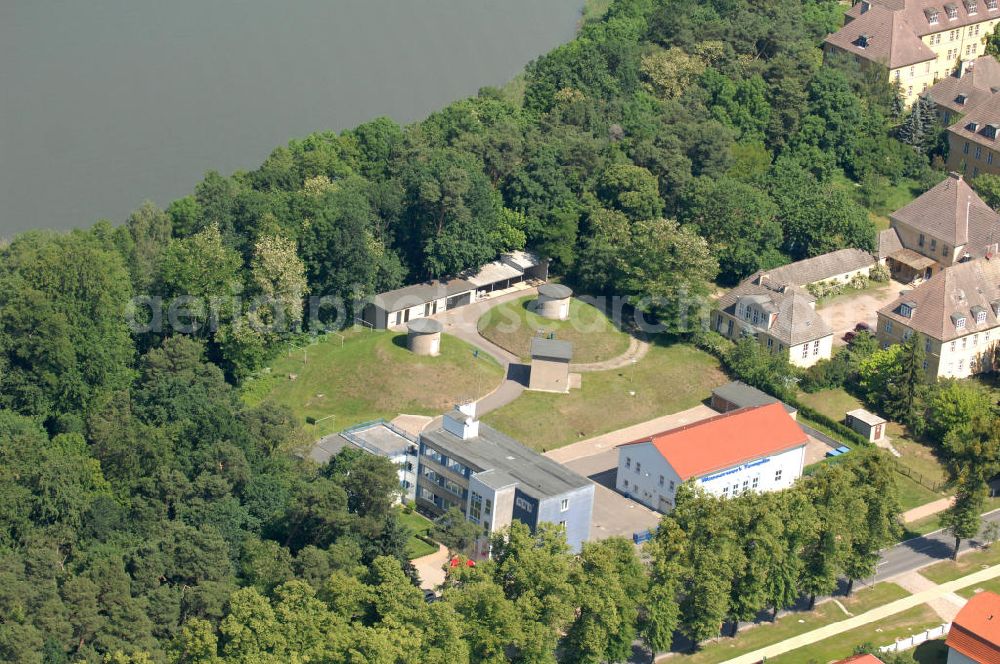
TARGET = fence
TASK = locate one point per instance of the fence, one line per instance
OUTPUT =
(915, 640)
(919, 478)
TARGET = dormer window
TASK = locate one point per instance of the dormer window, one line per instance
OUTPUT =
(990, 131)
(995, 304)
(973, 127)
(960, 100)
(992, 4)
(959, 321)
(951, 10)
(932, 15)
(906, 309)
(862, 41)
(971, 6)
(980, 314)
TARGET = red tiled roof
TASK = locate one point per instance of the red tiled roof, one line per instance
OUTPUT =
(975, 631)
(726, 440)
(860, 659)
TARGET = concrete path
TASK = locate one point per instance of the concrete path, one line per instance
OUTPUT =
(921, 511)
(430, 568)
(637, 349)
(880, 613)
(463, 323)
(946, 606)
(609, 441)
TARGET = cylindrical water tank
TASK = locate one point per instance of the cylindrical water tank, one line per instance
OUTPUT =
(553, 301)
(424, 336)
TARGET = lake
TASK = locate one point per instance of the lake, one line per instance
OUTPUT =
(106, 103)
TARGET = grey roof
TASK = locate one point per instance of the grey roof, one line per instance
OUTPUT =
(379, 437)
(796, 321)
(551, 349)
(424, 326)
(817, 268)
(536, 475)
(327, 447)
(742, 395)
(888, 243)
(417, 294)
(555, 291)
(866, 417)
(952, 212)
(492, 273)
(955, 289)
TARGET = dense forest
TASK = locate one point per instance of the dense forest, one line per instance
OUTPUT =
(147, 515)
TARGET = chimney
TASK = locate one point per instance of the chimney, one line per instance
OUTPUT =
(462, 422)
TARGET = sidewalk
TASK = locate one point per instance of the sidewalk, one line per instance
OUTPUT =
(928, 509)
(938, 592)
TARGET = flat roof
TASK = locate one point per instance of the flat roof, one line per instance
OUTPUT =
(727, 440)
(555, 291)
(522, 259)
(417, 294)
(493, 272)
(379, 438)
(743, 395)
(424, 326)
(503, 457)
(327, 447)
(866, 417)
(551, 349)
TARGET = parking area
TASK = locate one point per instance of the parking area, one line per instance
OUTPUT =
(843, 313)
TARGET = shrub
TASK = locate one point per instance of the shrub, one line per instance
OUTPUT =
(879, 273)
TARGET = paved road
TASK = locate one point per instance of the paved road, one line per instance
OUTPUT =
(922, 551)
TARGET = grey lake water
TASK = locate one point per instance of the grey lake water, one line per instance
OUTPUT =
(106, 103)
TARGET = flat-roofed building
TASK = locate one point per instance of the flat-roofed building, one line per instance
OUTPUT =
(493, 479)
(550, 365)
(380, 438)
(752, 449)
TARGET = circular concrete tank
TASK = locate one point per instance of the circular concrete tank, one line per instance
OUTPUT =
(424, 336)
(553, 301)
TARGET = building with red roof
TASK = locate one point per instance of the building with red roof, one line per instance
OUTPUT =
(751, 449)
(860, 659)
(974, 637)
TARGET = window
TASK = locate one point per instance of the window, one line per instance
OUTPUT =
(638, 467)
(934, 243)
(475, 507)
(980, 316)
(965, 150)
(960, 323)
(944, 250)
(979, 154)
(736, 490)
(888, 326)
(756, 480)
(905, 310)
(755, 319)
(628, 462)
(991, 4)
(925, 364)
(625, 484)
(953, 345)
(564, 504)
(971, 6)
(909, 90)
(932, 18)
(975, 339)
(489, 506)
(975, 171)
(805, 350)
(927, 345)
(661, 480)
(770, 343)
(965, 341)
(746, 485)
(989, 157)
(920, 240)
(912, 71)
(816, 347)
(729, 329)
(777, 475)
(952, 12)
(961, 365)
(671, 485)
(725, 491)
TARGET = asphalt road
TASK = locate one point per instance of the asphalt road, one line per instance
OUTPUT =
(922, 551)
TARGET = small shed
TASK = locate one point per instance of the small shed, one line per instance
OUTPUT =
(424, 336)
(869, 425)
(553, 301)
(550, 365)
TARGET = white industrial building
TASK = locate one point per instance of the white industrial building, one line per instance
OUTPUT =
(752, 449)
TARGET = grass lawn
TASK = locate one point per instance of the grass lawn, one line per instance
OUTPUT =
(668, 379)
(832, 403)
(372, 376)
(896, 196)
(928, 524)
(873, 287)
(417, 525)
(967, 563)
(793, 624)
(884, 632)
(594, 338)
(912, 494)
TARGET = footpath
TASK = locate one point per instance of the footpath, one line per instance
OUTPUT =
(932, 595)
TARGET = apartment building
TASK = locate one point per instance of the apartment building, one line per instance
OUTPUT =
(973, 83)
(972, 140)
(493, 479)
(957, 314)
(918, 41)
